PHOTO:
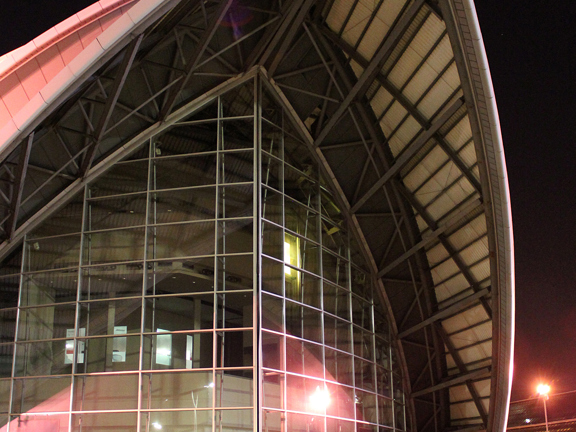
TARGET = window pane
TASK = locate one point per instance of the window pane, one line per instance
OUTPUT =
(114, 246)
(174, 277)
(176, 421)
(177, 390)
(234, 388)
(184, 205)
(235, 272)
(181, 240)
(234, 348)
(176, 313)
(111, 317)
(42, 358)
(53, 253)
(46, 394)
(235, 201)
(121, 280)
(123, 422)
(185, 171)
(235, 310)
(181, 351)
(235, 236)
(105, 392)
(121, 212)
(47, 322)
(108, 354)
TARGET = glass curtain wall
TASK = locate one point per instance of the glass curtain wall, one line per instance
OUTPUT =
(207, 283)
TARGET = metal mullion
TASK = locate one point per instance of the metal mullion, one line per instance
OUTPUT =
(257, 213)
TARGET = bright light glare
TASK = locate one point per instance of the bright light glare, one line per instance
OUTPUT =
(286, 257)
(320, 399)
(543, 389)
(157, 425)
(210, 385)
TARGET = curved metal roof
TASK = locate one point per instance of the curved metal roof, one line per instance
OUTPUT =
(395, 99)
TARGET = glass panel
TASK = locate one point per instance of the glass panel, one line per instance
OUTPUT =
(111, 317)
(337, 301)
(360, 283)
(181, 351)
(272, 241)
(109, 354)
(385, 416)
(177, 421)
(271, 134)
(42, 358)
(272, 350)
(272, 276)
(335, 269)
(235, 310)
(184, 205)
(6, 359)
(302, 287)
(341, 425)
(46, 394)
(273, 387)
(382, 352)
(334, 238)
(234, 388)
(300, 186)
(307, 394)
(193, 239)
(361, 313)
(235, 201)
(236, 167)
(337, 334)
(363, 343)
(399, 416)
(174, 277)
(342, 401)
(39, 422)
(364, 373)
(339, 367)
(235, 236)
(301, 220)
(121, 280)
(176, 313)
(234, 348)
(271, 173)
(105, 392)
(235, 272)
(53, 253)
(119, 422)
(49, 287)
(8, 325)
(238, 134)
(4, 397)
(121, 212)
(124, 177)
(304, 423)
(272, 313)
(383, 381)
(366, 407)
(47, 322)
(303, 322)
(114, 246)
(272, 206)
(234, 420)
(397, 385)
(238, 101)
(185, 171)
(177, 390)
(301, 253)
(304, 358)
(9, 288)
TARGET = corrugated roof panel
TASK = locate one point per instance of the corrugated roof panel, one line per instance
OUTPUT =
(422, 225)
(460, 134)
(451, 76)
(404, 67)
(394, 115)
(429, 33)
(419, 83)
(475, 252)
(471, 232)
(373, 37)
(481, 270)
(468, 154)
(380, 101)
(441, 56)
(463, 410)
(435, 98)
(471, 317)
(389, 11)
(476, 352)
(476, 334)
(358, 70)
(482, 387)
(356, 24)
(444, 271)
(459, 393)
(416, 177)
(436, 254)
(338, 13)
(434, 159)
(446, 202)
(445, 289)
(408, 130)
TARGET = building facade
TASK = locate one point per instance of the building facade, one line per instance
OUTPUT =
(229, 216)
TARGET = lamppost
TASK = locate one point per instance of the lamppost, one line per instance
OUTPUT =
(543, 390)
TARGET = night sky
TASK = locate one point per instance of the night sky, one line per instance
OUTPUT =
(531, 48)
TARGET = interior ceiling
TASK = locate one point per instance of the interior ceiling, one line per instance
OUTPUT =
(392, 100)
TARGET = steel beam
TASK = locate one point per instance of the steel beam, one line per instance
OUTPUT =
(460, 379)
(373, 68)
(19, 178)
(409, 153)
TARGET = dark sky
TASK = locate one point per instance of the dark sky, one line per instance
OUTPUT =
(531, 47)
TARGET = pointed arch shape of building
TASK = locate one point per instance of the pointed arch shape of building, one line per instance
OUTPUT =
(231, 215)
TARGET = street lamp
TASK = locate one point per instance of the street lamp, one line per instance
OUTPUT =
(543, 390)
